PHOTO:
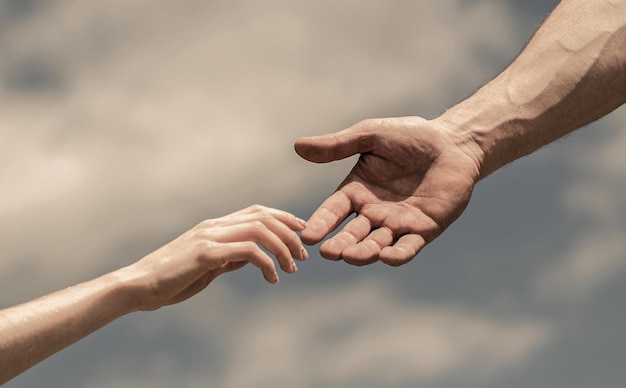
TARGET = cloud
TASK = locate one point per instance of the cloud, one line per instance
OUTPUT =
(596, 200)
(165, 110)
(591, 264)
(148, 116)
(347, 335)
(361, 332)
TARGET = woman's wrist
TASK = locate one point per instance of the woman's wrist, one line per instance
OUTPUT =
(129, 284)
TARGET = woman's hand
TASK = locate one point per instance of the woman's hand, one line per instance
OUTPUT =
(185, 266)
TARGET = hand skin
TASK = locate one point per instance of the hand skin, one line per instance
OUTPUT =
(415, 177)
(412, 180)
(32, 331)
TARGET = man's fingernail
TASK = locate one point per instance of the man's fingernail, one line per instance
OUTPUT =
(301, 221)
(294, 267)
(305, 254)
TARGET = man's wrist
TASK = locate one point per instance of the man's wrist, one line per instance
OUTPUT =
(464, 140)
(497, 128)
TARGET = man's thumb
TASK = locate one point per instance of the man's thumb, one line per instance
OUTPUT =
(335, 146)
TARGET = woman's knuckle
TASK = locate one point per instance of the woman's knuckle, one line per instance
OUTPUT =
(256, 208)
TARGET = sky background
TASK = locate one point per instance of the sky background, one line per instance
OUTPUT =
(124, 123)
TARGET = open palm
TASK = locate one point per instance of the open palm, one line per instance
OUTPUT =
(412, 180)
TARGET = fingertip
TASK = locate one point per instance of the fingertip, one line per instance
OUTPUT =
(397, 255)
(301, 223)
(305, 147)
(303, 254)
(403, 251)
(273, 278)
(300, 142)
(331, 249)
(311, 234)
(293, 222)
(361, 254)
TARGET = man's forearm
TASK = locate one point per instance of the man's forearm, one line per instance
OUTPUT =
(572, 72)
(33, 331)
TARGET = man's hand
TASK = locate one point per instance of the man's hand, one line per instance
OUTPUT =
(413, 179)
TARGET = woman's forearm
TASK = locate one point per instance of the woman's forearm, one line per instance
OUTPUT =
(572, 72)
(33, 331)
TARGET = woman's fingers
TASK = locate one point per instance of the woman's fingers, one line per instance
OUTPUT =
(294, 223)
(272, 229)
(247, 251)
(257, 231)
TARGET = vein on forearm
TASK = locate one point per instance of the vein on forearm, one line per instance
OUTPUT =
(572, 72)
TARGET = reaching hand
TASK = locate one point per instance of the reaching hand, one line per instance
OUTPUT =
(412, 180)
(188, 264)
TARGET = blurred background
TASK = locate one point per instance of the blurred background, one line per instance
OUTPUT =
(124, 123)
